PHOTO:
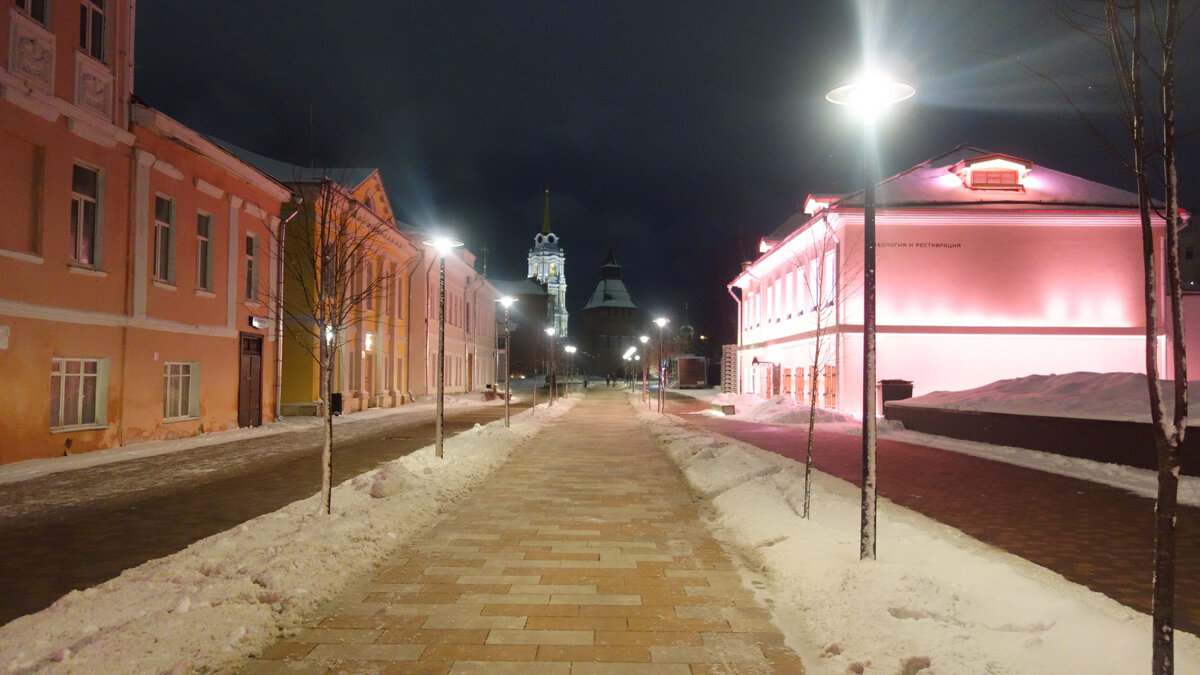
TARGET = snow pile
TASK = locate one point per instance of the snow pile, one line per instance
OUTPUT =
(935, 601)
(776, 410)
(229, 596)
(1110, 396)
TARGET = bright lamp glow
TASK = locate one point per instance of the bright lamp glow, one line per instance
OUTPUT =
(630, 352)
(644, 339)
(507, 301)
(443, 245)
(570, 349)
(550, 330)
(661, 321)
(870, 95)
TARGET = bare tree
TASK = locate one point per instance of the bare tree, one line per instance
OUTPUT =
(827, 275)
(330, 271)
(1141, 37)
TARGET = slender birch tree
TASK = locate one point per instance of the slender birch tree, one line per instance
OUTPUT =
(1142, 38)
(330, 269)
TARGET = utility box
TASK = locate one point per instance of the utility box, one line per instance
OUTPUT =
(335, 403)
(693, 371)
(893, 390)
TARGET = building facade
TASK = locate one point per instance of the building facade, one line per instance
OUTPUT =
(125, 314)
(548, 265)
(988, 267)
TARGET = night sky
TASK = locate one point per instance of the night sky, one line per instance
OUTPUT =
(678, 133)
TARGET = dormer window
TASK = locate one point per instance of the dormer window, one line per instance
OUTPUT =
(993, 172)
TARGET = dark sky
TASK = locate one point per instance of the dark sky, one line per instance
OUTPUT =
(677, 133)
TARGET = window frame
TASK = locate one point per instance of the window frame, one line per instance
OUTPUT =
(204, 251)
(164, 241)
(58, 391)
(250, 267)
(78, 203)
(93, 29)
(27, 7)
(186, 373)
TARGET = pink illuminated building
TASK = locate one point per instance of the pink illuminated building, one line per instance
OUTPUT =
(988, 267)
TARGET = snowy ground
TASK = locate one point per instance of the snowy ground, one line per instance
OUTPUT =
(935, 601)
(1088, 395)
(229, 596)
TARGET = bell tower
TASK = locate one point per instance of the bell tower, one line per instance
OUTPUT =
(547, 264)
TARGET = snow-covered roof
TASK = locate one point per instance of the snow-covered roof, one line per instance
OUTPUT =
(934, 184)
(610, 293)
(291, 173)
(522, 287)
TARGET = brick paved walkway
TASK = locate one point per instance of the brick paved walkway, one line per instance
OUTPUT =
(584, 554)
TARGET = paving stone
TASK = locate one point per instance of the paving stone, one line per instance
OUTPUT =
(584, 554)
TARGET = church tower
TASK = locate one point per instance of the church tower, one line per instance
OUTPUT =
(547, 264)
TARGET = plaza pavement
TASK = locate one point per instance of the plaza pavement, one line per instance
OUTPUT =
(584, 554)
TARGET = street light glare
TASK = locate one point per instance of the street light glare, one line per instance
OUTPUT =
(870, 95)
(507, 301)
(661, 321)
(443, 245)
(550, 330)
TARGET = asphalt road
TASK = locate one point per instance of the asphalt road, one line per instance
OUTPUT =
(73, 530)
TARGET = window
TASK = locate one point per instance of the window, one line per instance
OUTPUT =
(204, 252)
(181, 398)
(368, 289)
(829, 279)
(34, 9)
(251, 290)
(85, 215)
(78, 393)
(994, 178)
(91, 27)
(164, 239)
(814, 283)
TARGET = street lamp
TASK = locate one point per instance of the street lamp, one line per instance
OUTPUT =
(570, 365)
(507, 302)
(550, 368)
(443, 246)
(868, 98)
(660, 322)
(645, 366)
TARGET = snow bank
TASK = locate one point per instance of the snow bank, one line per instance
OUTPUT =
(776, 410)
(935, 601)
(229, 596)
(1110, 396)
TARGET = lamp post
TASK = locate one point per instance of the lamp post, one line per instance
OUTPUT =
(869, 97)
(550, 368)
(507, 302)
(660, 322)
(570, 365)
(645, 367)
(443, 246)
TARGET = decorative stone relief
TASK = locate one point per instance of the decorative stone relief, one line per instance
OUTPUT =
(31, 51)
(93, 86)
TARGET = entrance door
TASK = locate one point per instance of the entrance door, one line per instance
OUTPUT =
(470, 372)
(250, 381)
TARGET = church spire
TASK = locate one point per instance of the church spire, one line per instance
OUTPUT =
(546, 214)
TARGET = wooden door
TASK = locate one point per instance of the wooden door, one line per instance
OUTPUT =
(250, 381)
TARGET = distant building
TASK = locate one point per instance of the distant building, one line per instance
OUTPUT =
(527, 322)
(612, 323)
(988, 267)
(548, 265)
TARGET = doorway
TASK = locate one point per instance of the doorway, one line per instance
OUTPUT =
(250, 381)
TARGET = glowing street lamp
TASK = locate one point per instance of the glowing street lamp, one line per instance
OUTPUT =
(507, 302)
(550, 369)
(570, 349)
(869, 98)
(645, 366)
(662, 379)
(443, 246)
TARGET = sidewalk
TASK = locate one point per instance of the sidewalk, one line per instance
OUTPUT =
(584, 554)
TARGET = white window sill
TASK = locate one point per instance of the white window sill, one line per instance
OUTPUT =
(75, 268)
(19, 255)
(253, 304)
(165, 285)
(200, 292)
(171, 420)
(80, 427)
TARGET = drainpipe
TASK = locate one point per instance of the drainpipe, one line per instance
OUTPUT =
(281, 235)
